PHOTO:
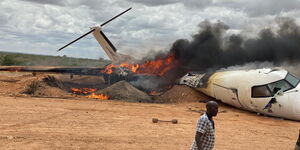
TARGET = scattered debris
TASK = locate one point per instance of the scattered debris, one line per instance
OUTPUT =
(10, 137)
(83, 91)
(155, 120)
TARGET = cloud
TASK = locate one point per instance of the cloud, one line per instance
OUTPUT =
(196, 4)
(154, 3)
(255, 8)
(42, 26)
(52, 2)
(188, 3)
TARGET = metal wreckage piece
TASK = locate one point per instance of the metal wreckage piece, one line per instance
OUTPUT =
(195, 80)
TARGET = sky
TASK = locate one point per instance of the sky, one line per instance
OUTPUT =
(43, 26)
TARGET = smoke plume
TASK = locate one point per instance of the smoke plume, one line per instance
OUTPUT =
(210, 50)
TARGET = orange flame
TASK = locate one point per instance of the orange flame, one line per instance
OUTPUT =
(98, 96)
(84, 91)
(154, 67)
(153, 93)
(14, 69)
(109, 69)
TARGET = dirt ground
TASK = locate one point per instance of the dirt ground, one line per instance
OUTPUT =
(71, 122)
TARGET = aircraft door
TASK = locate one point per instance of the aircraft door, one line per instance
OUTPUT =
(227, 95)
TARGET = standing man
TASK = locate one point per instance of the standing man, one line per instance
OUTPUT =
(205, 131)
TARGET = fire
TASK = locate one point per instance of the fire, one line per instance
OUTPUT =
(153, 93)
(14, 69)
(84, 91)
(154, 67)
(109, 69)
(98, 96)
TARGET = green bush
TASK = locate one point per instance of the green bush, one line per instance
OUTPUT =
(8, 60)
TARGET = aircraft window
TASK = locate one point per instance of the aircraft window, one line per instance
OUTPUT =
(260, 91)
(282, 84)
(292, 79)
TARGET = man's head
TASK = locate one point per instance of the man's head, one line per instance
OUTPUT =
(212, 108)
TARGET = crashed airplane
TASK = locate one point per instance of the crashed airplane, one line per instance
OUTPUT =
(273, 92)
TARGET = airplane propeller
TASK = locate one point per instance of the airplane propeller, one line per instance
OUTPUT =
(94, 29)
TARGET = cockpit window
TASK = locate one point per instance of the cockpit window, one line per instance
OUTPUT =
(281, 84)
(292, 79)
(260, 91)
(270, 89)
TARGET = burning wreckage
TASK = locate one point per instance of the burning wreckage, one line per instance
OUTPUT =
(139, 73)
(267, 91)
(272, 92)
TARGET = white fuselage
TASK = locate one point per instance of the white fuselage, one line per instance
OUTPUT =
(253, 89)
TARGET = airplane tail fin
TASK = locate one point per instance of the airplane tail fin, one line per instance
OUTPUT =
(107, 46)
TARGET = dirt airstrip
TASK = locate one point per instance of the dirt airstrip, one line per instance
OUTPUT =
(52, 118)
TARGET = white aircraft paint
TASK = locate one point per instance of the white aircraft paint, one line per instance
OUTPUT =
(252, 90)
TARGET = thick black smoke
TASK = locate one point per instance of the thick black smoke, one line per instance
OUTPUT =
(210, 50)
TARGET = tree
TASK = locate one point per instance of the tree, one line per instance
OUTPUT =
(8, 60)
